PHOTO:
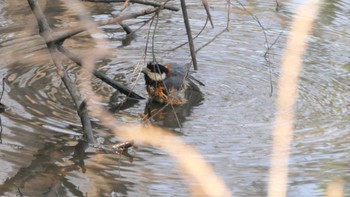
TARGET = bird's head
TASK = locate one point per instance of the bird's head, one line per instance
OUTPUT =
(156, 72)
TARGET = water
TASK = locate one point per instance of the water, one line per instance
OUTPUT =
(230, 127)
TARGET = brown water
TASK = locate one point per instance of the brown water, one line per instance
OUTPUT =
(231, 126)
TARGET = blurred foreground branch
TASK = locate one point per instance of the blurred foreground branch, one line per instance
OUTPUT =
(45, 30)
(61, 35)
(286, 97)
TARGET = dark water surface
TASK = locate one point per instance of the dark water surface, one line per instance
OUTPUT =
(231, 127)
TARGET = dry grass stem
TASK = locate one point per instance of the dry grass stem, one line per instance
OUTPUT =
(286, 98)
(335, 188)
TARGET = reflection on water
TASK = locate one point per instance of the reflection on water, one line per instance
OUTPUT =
(173, 116)
(229, 122)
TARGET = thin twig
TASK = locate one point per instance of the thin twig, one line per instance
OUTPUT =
(228, 15)
(3, 88)
(0, 130)
(267, 59)
(19, 191)
(278, 5)
(267, 45)
(154, 35)
(199, 33)
(206, 7)
(2, 107)
(144, 23)
(211, 40)
(221, 32)
(147, 40)
(149, 31)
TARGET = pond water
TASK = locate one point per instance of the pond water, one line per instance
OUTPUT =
(231, 126)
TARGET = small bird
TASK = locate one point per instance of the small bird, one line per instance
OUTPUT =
(167, 83)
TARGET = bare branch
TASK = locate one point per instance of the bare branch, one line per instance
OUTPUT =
(189, 34)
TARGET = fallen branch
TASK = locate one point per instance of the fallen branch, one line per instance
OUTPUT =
(45, 31)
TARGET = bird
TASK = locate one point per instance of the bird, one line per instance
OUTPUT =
(167, 83)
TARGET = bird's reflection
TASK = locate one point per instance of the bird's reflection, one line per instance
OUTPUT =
(173, 116)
